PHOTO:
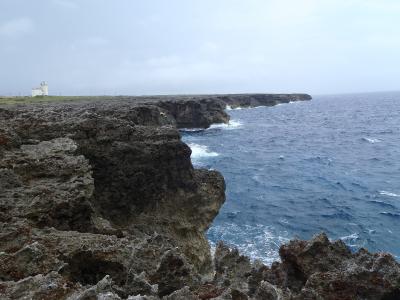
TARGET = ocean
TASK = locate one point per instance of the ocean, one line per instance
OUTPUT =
(293, 170)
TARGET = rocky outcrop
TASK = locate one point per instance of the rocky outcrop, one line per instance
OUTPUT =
(141, 170)
(203, 110)
(198, 113)
(101, 201)
(253, 100)
(89, 191)
(191, 111)
(315, 269)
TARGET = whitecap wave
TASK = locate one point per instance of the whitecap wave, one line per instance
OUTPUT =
(201, 151)
(233, 124)
(389, 194)
(371, 140)
(352, 240)
(259, 242)
(191, 129)
(228, 107)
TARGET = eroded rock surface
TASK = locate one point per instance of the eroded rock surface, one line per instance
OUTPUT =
(96, 190)
(101, 201)
(315, 269)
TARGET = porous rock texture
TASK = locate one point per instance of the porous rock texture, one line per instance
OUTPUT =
(315, 269)
(89, 190)
(101, 201)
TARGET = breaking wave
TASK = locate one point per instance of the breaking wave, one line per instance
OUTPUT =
(352, 240)
(230, 126)
(201, 151)
(259, 242)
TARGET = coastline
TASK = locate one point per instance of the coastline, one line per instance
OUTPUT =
(102, 198)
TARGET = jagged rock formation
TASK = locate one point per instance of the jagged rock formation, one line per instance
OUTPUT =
(101, 201)
(86, 189)
(315, 269)
(253, 100)
(191, 111)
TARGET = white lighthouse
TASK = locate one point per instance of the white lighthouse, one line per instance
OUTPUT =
(43, 90)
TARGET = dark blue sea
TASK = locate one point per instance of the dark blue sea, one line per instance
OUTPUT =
(293, 170)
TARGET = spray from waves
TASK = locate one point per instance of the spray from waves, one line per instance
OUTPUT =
(262, 242)
(389, 194)
(233, 124)
(259, 242)
(201, 151)
(230, 126)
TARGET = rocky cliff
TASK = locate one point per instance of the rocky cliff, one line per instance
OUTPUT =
(101, 201)
(253, 100)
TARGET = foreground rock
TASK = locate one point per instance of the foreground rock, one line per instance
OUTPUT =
(89, 191)
(315, 269)
(101, 201)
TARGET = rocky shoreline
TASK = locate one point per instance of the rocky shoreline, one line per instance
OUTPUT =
(99, 200)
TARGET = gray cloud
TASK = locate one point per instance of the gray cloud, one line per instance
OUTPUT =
(16, 27)
(180, 46)
(66, 3)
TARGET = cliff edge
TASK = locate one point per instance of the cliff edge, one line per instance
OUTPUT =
(101, 201)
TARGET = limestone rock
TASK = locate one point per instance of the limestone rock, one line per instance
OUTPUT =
(51, 286)
(182, 294)
(173, 274)
(47, 184)
(101, 201)
(320, 269)
(253, 100)
(232, 269)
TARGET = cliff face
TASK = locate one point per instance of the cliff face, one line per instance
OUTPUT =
(199, 113)
(203, 110)
(111, 186)
(101, 201)
(253, 100)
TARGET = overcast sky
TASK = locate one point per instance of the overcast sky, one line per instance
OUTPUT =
(199, 46)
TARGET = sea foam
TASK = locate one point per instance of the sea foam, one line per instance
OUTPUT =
(200, 151)
(233, 124)
(259, 242)
(352, 240)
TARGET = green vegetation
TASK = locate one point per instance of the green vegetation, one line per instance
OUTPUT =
(46, 99)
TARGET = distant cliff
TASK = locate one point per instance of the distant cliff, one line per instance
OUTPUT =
(99, 200)
(253, 100)
(203, 110)
(184, 111)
